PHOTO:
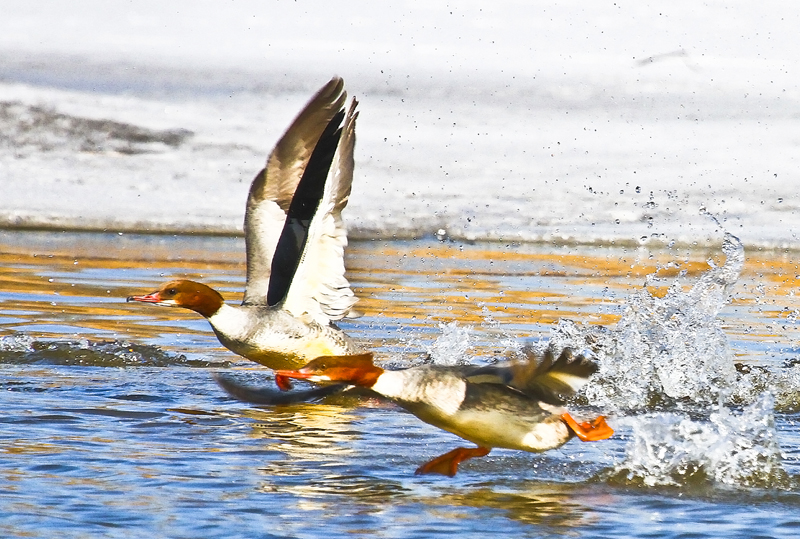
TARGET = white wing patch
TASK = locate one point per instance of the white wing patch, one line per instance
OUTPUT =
(319, 290)
(571, 380)
(264, 227)
(272, 191)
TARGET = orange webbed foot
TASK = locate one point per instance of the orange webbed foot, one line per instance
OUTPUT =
(593, 431)
(447, 464)
(284, 383)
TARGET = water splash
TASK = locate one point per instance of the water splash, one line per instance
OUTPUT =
(736, 450)
(783, 383)
(666, 350)
(17, 343)
(452, 347)
(510, 344)
(670, 355)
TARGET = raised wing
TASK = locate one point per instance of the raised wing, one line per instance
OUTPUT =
(318, 289)
(273, 189)
(545, 377)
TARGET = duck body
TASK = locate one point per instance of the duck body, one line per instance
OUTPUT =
(273, 337)
(295, 239)
(486, 414)
(512, 405)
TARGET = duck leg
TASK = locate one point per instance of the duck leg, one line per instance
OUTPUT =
(284, 383)
(447, 464)
(589, 431)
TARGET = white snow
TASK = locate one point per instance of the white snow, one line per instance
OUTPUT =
(590, 121)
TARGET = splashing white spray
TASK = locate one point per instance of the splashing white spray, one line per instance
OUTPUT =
(737, 450)
(452, 346)
(669, 348)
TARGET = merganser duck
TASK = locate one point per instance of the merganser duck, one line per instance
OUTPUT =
(295, 240)
(514, 405)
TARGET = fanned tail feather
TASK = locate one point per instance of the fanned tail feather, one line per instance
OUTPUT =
(552, 378)
(543, 376)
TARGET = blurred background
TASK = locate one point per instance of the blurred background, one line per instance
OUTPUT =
(515, 120)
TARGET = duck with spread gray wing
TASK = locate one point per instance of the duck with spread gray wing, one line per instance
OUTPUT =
(514, 405)
(295, 240)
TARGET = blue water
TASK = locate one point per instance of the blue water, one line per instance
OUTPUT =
(112, 425)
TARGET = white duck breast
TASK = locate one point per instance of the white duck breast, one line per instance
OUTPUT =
(274, 337)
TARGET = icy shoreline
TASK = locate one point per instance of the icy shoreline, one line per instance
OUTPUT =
(557, 122)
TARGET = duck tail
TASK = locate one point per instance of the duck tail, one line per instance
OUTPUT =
(552, 378)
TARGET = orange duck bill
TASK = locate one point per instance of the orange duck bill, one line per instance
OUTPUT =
(354, 369)
(146, 298)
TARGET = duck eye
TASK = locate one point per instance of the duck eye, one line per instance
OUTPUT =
(172, 291)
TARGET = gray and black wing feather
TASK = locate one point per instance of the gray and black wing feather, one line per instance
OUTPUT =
(271, 205)
(303, 207)
(268, 396)
(546, 377)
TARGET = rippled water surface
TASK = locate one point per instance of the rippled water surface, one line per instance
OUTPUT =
(112, 425)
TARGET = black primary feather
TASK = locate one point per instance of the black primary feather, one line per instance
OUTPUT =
(302, 209)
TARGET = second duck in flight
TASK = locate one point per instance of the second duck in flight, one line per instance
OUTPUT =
(514, 405)
(295, 240)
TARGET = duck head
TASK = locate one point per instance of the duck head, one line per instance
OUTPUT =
(187, 294)
(358, 370)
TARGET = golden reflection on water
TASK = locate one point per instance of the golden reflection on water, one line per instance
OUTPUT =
(56, 286)
(81, 281)
(305, 431)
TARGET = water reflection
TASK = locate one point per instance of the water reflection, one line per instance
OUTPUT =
(74, 283)
(306, 431)
(547, 506)
(95, 423)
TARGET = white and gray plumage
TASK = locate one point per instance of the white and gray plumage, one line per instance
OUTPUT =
(514, 405)
(295, 239)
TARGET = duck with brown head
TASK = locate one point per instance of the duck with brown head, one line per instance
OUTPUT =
(295, 239)
(191, 295)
